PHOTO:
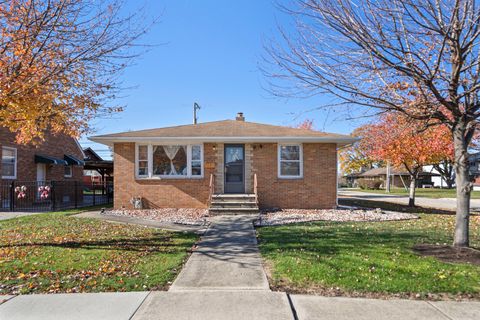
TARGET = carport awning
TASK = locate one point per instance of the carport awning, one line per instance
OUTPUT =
(49, 160)
(71, 160)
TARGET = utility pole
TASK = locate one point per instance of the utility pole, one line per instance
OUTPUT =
(195, 108)
(387, 187)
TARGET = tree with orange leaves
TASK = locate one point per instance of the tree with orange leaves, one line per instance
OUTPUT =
(305, 124)
(354, 158)
(397, 139)
(60, 61)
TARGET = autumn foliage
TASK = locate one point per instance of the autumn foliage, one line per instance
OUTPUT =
(59, 63)
(404, 143)
(355, 158)
(306, 124)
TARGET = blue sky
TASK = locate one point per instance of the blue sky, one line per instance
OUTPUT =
(209, 54)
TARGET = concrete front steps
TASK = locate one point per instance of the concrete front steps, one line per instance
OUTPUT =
(225, 204)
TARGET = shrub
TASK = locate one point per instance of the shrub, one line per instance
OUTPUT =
(369, 184)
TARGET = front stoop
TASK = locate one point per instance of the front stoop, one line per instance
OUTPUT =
(232, 204)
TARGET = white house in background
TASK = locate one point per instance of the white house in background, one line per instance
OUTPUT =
(438, 180)
(474, 162)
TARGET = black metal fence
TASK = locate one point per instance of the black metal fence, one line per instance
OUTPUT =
(53, 195)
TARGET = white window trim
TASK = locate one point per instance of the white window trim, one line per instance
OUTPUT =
(137, 160)
(15, 164)
(150, 174)
(279, 160)
(71, 172)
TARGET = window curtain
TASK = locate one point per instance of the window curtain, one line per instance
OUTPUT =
(171, 152)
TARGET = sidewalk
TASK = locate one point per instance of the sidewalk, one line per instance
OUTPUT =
(235, 305)
(5, 215)
(442, 203)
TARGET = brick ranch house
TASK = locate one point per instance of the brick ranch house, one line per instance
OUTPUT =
(187, 166)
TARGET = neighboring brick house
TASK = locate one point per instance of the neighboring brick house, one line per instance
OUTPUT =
(58, 158)
(398, 178)
(183, 166)
(56, 163)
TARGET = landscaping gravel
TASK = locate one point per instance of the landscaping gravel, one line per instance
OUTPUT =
(286, 216)
(187, 216)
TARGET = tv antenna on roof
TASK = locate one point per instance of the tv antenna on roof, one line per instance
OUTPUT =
(195, 108)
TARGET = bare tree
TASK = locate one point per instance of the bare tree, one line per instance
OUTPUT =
(446, 168)
(418, 57)
(60, 62)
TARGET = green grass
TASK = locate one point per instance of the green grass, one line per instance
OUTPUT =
(390, 206)
(424, 192)
(367, 258)
(57, 252)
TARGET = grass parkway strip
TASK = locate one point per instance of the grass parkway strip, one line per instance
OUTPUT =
(373, 259)
(59, 253)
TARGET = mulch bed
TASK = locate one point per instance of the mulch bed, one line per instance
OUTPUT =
(187, 216)
(448, 253)
(287, 216)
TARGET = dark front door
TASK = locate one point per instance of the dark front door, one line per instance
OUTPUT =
(234, 168)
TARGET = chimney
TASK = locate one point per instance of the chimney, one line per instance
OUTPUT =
(240, 117)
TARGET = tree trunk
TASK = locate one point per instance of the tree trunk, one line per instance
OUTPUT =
(450, 183)
(464, 186)
(411, 194)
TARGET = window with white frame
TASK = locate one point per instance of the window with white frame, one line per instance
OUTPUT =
(9, 163)
(142, 161)
(290, 161)
(169, 161)
(196, 160)
(68, 171)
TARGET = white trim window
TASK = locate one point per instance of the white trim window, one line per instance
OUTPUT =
(290, 161)
(141, 157)
(169, 161)
(9, 163)
(68, 171)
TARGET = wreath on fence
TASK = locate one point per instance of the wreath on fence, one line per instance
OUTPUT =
(21, 192)
(44, 192)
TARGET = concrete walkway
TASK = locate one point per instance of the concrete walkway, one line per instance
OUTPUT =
(227, 258)
(198, 229)
(442, 203)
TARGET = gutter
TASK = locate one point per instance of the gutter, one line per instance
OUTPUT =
(111, 140)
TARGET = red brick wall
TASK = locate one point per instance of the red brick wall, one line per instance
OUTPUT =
(55, 146)
(317, 189)
(158, 193)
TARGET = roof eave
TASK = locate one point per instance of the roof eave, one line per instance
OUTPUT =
(340, 141)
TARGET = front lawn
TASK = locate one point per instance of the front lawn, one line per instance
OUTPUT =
(423, 192)
(55, 252)
(367, 258)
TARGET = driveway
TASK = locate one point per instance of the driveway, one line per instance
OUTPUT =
(442, 203)
(5, 215)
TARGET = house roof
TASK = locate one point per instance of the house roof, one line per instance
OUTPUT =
(91, 155)
(226, 130)
(383, 171)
